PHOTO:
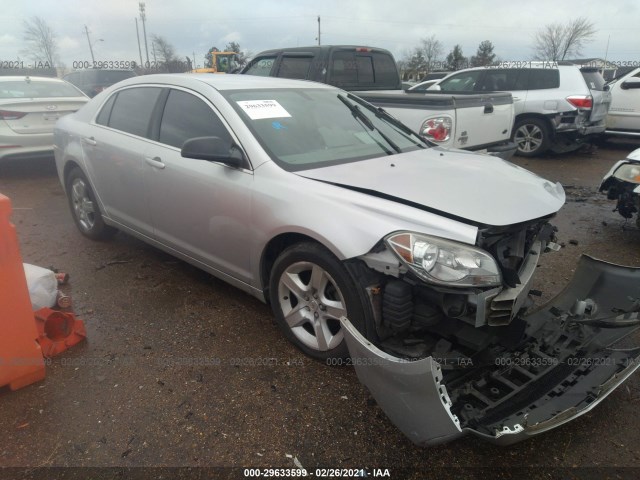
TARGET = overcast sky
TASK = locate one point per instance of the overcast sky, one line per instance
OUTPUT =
(398, 25)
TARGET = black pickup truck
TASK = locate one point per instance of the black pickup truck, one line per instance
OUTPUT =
(469, 121)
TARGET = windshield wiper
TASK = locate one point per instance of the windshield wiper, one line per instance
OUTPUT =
(382, 113)
(358, 114)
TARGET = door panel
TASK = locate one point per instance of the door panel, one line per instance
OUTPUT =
(199, 208)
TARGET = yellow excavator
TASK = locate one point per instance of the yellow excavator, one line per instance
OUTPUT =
(221, 62)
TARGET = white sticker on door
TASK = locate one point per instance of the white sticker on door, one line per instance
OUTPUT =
(261, 109)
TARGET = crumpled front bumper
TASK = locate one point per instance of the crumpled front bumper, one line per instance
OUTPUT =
(415, 395)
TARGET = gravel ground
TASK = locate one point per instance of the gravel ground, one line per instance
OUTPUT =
(182, 370)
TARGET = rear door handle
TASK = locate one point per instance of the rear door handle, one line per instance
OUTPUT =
(90, 141)
(155, 162)
(488, 108)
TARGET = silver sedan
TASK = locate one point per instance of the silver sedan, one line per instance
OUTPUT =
(365, 240)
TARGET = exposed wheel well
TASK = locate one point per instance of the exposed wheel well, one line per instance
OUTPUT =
(71, 164)
(273, 249)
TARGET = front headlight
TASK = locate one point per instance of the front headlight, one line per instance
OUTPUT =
(445, 262)
(628, 173)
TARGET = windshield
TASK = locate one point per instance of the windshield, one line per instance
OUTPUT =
(37, 89)
(307, 128)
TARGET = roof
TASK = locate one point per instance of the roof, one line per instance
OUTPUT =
(225, 81)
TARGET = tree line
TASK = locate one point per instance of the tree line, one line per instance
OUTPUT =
(553, 42)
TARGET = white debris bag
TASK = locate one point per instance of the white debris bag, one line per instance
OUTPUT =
(42, 284)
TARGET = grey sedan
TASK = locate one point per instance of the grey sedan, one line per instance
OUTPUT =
(412, 262)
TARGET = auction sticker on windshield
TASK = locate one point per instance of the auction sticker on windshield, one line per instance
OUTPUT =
(261, 109)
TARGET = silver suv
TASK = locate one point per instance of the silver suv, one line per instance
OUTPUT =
(557, 104)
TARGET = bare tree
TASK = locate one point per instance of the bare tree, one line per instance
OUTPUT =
(556, 41)
(40, 40)
(242, 56)
(431, 51)
(164, 50)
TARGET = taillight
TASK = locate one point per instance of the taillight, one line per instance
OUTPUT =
(581, 101)
(9, 115)
(437, 129)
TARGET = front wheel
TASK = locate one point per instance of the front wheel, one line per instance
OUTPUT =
(310, 290)
(531, 136)
(84, 207)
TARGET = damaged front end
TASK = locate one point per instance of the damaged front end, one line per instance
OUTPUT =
(622, 183)
(448, 361)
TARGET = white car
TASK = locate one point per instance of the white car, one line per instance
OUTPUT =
(557, 104)
(624, 114)
(29, 108)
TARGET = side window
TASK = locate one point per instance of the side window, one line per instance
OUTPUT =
(105, 113)
(462, 82)
(294, 67)
(132, 110)
(542, 78)
(261, 66)
(186, 116)
(498, 80)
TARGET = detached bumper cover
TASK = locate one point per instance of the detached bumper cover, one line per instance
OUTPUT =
(414, 394)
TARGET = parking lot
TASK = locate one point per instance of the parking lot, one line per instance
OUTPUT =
(181, 369)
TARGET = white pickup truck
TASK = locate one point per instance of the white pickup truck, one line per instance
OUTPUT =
(624, 114)
(476, 121)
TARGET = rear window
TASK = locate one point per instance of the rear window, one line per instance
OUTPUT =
(595, 81)
(543, 78)
(113, 77)
(37, 89)
(132, 110)
(356, 69)
(261, 66)
(295, 67)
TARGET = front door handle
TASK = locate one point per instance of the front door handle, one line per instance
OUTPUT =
(90, 141)
(488, 108)
(155, 162)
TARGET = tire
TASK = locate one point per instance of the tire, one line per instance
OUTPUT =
(310, 289)
(531, 136)
(84, 208)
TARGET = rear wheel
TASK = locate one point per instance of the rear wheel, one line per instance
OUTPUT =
(531, 136)
(84, 207)
(310, 290)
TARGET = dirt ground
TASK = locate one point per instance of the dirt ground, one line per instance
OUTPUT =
(182, 370)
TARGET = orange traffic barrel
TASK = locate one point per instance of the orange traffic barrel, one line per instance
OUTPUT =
(21, 361)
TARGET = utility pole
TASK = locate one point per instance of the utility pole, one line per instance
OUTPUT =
(194, 61)
(318, 29)
(143, 17)
(86, 31)
(138, 38)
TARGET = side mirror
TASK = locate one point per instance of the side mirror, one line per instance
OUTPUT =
(631, 83)
(434, 88)
(214, 149)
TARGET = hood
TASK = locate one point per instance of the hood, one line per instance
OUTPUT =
(479, 188)
(635, 155)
